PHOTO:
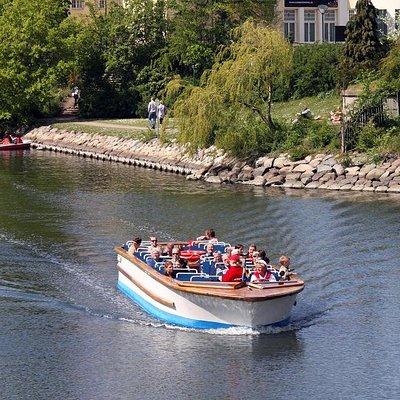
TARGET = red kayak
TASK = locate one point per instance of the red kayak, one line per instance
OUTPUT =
(15, 146)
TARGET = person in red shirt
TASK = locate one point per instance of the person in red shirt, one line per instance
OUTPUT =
(235, 270)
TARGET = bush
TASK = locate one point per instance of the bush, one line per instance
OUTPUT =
(315, 71)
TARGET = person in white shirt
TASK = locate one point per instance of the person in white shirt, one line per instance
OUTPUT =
(152, 110)
(161, 111)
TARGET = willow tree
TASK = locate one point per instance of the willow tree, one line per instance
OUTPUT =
(238, 89)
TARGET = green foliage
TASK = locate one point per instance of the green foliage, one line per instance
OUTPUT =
(35, 58)
(308, 136)
(376, 140)
(199, 28)
(363, 48)
(233, 106)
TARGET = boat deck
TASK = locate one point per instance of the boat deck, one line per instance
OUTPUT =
(232, 290)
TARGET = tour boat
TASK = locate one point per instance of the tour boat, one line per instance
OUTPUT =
(196, 300)
(15, 146)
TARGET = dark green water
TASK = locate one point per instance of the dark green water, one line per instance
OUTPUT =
(66, 332)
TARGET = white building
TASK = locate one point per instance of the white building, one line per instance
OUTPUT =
(310, 21)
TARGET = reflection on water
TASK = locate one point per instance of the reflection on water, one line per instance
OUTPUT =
(66, 329)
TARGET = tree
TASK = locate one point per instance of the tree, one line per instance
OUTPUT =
(237, 92)
(199, 28)
(35, 58)
(363, 48)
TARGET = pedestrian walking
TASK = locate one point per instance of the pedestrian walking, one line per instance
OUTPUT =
(152, 110)
(76, 94)
(161, 111)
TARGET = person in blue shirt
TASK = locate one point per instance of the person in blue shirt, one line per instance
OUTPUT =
(154, 258)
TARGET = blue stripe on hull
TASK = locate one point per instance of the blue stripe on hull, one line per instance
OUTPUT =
(170, 318)
(175, 319)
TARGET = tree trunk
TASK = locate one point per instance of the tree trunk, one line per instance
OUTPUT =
(269, 104)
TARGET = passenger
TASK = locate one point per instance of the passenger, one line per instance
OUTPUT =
(225, 259)
(209, 236)
(169, 269)
(177, 260)
(7, 139)
(217, 257)
(154, 258)
(154, 244)
(263, 256)
(167, 251)
(256, 256)
(284, 268)
(134, 245)
(261, 273)
(209, 250)
(251, 250)
(240, 247)
(235, 270)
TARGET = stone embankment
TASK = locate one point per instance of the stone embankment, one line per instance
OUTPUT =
(320, 171)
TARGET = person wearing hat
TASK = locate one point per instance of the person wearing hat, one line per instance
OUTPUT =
(261, 273)
(234, 272)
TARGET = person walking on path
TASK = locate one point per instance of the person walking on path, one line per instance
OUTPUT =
(161, 111)
(76, 95)
(152, 110)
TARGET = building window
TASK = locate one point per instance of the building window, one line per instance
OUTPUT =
(77, 3)
(329, 26)
(102, 3)
(289, 25)
(382, 22)
(309, 26)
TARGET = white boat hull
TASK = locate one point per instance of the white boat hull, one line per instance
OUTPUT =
(198, 310)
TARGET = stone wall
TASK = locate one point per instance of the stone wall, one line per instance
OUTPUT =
(320, 171)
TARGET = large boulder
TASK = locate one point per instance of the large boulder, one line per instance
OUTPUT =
(324, 168)
(286, 170)
(338, 168)
(275, 181)
(213, 179)
(304, 168)
(375, 174)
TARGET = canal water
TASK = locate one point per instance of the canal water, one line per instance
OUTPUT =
(67, 332)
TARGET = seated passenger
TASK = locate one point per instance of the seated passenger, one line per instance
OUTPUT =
(154, 244)
(167, 251)
(263, 256)
(251, 250)
(134, 245)
(154, 258)
(284, 268)
(169, 269)
(217, 257)
(261, 274)
(239, 247)
(177, 261)
(209, 250)
(209, 236)
(235, 271)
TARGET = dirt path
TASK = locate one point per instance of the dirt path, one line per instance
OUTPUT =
(108, 125)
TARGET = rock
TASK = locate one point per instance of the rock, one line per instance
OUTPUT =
(357, 187)
(303, 168)
(258, 181)
(281, 162)
(213, 179)
(375, 174)
(297, 185)
(394, 189)
(305, 180)
(246, 174)
(313, 185)
(324, 168)
(366, 169)
(338, 168)
(329, 160)
(348, 186)
(352, 171)
(368, 189)
(293, 176)
(318, 176)
(266, 162)
(286, 170)
(328, 177)
(224, 175)
(381, 189)
(192, 177)
(260, 171)
(275, 181)
(270, 174)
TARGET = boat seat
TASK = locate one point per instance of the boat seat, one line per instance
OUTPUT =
(204, 278)
(186, 276)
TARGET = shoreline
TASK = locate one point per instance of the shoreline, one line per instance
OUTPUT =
(320, 171)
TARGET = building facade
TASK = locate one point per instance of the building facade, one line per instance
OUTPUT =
(79, 7)
(310, 21)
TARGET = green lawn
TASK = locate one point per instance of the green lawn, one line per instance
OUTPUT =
(136, 128)
(319, 105)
